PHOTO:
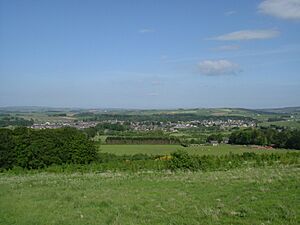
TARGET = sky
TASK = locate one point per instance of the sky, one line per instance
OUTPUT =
(150, 53)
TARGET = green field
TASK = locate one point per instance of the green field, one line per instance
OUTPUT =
(168, 149)
(137, 149)
(289, 124)
(267, 195)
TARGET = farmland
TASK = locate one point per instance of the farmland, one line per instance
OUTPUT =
(52, 173)
(198, 150)
(240, 196)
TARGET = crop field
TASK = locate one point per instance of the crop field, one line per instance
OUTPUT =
(267, 195)
(168, 149)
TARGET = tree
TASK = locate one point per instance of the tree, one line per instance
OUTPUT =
(7, 154)
(33, 149)
(294, 140)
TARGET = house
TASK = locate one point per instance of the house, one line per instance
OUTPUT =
(214, 143)
(225, 140)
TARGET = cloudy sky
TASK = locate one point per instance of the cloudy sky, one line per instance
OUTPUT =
(150, 54)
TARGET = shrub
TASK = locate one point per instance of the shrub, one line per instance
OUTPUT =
(181, 160)
(33, 149)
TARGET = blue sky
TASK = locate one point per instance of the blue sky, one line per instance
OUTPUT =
(150, 54)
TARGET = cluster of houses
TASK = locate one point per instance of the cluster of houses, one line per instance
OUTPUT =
(150, 125)
(53, 125)
(230, 123)
(174, 126)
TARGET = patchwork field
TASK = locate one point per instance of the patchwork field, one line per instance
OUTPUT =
(242, 196)
(168, 149)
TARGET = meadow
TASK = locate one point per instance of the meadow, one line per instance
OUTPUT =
(268, 195)
(222, 149)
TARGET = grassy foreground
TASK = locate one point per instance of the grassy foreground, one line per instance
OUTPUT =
(267, 195)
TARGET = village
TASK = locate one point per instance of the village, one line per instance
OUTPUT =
(150, 125)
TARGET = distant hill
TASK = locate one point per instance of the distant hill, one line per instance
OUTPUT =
(285, 110)
(221, 111)
(27, 109)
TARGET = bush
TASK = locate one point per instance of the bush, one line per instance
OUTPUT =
(34, 149)
(182, 160)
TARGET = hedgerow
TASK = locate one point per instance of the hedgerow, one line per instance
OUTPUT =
(181, 160)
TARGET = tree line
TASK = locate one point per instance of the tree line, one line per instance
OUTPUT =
(278, 138)
(14, 121)
(31, 149)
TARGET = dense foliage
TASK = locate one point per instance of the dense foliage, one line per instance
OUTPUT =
(179, 160)
(215, 137)
(14, 121)
(278, 138)
(184, 161)
(28, 148)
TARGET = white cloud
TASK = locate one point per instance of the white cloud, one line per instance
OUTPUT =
(146, 30)
(283, 9)
(242, 35)
(227, 48)
(218, 67)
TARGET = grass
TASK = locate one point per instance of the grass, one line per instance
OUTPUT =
(267, 195)
(137, 149)
(168, 149)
